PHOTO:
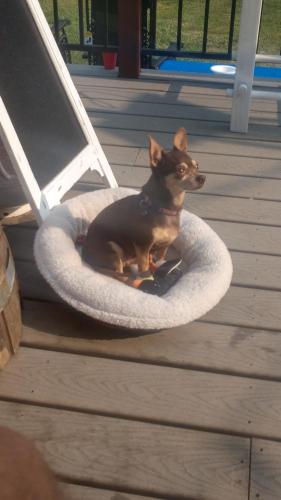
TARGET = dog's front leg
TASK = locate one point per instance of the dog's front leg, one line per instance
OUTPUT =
(161, 253)
(142, 255)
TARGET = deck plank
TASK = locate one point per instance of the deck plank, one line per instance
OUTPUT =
(216, 162)
(176, 110)
(265, 470)
(142, 458)
(161, 100)
(233, 145)
(244, 210)
(158, 394)
(167, 86)
(257, 271)
(194, 127)
(198, 345)
(79, 492)
(249, 237)
(216, 184)
(248, 307)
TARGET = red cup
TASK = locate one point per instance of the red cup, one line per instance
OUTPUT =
(109, 59)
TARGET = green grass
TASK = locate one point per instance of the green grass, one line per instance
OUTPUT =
(193, 22)
(192, 29)
(270, 34)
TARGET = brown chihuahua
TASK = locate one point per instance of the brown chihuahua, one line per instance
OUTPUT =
(140, 227)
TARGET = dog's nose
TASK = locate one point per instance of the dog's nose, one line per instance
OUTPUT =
(201, 179)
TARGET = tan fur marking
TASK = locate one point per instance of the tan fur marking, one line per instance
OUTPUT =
(120, 254)
(117, 249)
(173, 183)
(142, 259)
(161, 253)
(164, 235)
(175, 187)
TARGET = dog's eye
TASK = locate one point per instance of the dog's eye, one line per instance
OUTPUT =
(195, 164)
(180, 171)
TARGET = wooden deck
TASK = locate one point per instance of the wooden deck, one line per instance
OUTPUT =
(189, 413)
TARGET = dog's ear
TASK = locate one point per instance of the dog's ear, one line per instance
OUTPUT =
(180, 140)
(155, 152)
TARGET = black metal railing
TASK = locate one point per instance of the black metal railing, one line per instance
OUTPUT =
(99, 16)
(204, 53)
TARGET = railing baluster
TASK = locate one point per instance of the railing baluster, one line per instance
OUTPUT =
(144, 18)
(231, 29)
(152, 23)
(179, 28)
(81, 21)
(106, 23)
(56, 19)
(87, 10)
(206, 23)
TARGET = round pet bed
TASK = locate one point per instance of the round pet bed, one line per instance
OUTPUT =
(206, 280)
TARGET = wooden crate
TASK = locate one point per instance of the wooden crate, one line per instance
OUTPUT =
(10, 310)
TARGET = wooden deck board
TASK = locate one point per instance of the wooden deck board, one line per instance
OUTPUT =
(144, 458)
(113, 410)
(252, 307)
(153, 125)
(199, 345)
(158, 394)
(216, 162)
(244, 210)
(200, 143)
(249, 237)
(167, 86)
(166, 99)
(263, 271)
(219, 113)
(163, 102)
(86, 493)
(216, 184)
(265, 471)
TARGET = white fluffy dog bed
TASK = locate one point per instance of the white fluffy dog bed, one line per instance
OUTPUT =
(208, 275)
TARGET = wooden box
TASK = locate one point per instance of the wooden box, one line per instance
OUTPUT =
(10, 309)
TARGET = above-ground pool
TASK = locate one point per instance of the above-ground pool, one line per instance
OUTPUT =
(204, 67)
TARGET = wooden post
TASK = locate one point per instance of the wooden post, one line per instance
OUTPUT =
(246, 59)
(129, 22)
